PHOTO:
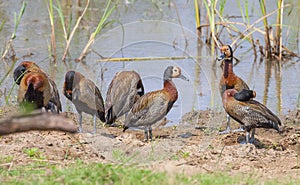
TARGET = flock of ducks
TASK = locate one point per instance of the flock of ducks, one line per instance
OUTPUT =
(126, 95)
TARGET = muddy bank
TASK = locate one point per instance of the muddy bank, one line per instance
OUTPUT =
(190, 147)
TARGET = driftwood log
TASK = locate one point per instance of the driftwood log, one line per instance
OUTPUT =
(36, 121)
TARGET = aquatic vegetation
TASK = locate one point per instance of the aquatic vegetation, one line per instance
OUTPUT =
(216, 24)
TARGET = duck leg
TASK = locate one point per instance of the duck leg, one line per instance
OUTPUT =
(146, 134)
(80, 123)
(247, 137)
(150, 133)
(241, 129)
(95, 129)
(252, 139)
(228, 129)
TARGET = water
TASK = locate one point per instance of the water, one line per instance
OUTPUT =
(152, 30)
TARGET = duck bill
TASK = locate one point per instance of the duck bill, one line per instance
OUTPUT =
(183, 77)
(68, 94)
(221, 57)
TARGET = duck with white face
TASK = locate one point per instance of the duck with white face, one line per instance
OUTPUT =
(154, 106)
(229, 80)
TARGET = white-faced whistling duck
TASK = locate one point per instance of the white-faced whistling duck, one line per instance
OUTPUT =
(248, 112)
(229, 80)
(85, 95)
(155, 105)
(25, 67)
(34, 89)
(123, 91)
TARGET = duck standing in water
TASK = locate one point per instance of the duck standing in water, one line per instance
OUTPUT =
(85, 95)
(27, 67)
(229, 80)
(124, 90)
(155, 105)
(248, 112)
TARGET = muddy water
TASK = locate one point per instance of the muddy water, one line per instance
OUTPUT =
(152, 31)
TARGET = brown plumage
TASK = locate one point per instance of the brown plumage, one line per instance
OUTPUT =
(85, 95)
(23, 68)
(35, 89)
(26, 67)
(154, 106)
(229, 80)
(125, 88)
(248, 112)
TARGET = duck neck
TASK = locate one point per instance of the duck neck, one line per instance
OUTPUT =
(170, 87)
(228, 68)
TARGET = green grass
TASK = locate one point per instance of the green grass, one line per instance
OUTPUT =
(44, 173)
(34, 153)
(101, 24)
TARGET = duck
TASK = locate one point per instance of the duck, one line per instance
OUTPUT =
(123, 91)
(34, 89)
(154, 106)
(229, 80)
(25, 67)
(85, 95)
(248, 112)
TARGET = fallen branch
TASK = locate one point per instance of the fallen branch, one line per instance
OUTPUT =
(36, 121)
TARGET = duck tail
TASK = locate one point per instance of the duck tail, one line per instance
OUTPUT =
(101, 115)
(110, 118)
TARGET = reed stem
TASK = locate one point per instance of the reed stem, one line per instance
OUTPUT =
(69, 39)
(53, 43)
(13, 36)
(268, 50)
(107, 12)
(197, 14)
(278, 37)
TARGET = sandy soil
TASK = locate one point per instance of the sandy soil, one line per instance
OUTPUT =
(193, 146)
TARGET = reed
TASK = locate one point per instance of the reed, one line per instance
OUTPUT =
(69, 35)
(142, 59)
(2, 24)
(66, 29)
(197, 14)
(268, 53)
(210, 8)
(14, 84)
(53, 42)
(102, 23)
(246, 18)
(278, 38)
(217, 23)
(9, 45)
(9, 50)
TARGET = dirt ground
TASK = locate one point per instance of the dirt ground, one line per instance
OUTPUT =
(192, 146)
